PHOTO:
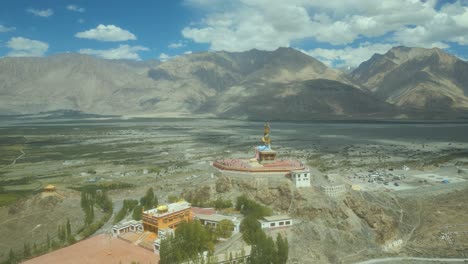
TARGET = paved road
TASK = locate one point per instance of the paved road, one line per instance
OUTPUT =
(107, 227)
(229, 243)
(393, 260)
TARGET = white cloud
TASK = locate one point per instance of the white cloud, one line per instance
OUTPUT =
(187, 52)
(164, 57)
(41, 12)
(442, 28)
(122, 52)
(75, 8)
(6, 29)
(106, 33)
(23, 47)
(348, 56)
(239, 25)
(80, 20)
(176, 45)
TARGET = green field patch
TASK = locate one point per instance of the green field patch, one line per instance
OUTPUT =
(18, 181)
(8, 198)
(34, 186)
(103, 186)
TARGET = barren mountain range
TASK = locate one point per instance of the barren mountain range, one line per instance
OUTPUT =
(281, 84)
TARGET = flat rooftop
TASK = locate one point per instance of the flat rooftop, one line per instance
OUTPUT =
(216, 217)
(171, 208)
(276, 218)
(97, 250)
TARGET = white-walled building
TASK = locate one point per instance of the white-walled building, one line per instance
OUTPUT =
(129, 226)
(276, 221)
(214, 219)
(300, 178)
(162, 234)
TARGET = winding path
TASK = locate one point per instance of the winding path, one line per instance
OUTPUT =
(14, 161)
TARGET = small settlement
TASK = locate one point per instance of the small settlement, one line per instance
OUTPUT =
(160, 222)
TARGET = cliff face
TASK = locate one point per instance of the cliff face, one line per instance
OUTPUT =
(350, 223)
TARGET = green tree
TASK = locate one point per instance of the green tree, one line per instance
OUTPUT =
(282, 249)
(221, 204)
(263, 250)
(172, 198)
(26, 250)
(250, 229)
(190, 240)
(69, 232)
(249, 207)
(63, 235)
(60, 233)
(137, 213)
(224, 228)
(149, 200)
(121, 214)
(166, 255)
(12, 257)
(48, 241)
(34, 249)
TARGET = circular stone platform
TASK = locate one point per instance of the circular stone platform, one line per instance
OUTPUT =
(252, 165)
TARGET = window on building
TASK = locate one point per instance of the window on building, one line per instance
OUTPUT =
(281, 223)
(272, 224)
(288, 222)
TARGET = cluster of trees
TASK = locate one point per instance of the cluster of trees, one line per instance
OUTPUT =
(128, 206)
(103, 186)
(189, 241)
(64, 233)
(199, 197)
(222, 204)
(148, 201)
(87, 204)
(224, 229)
(264, 249)
(64, 237)
(251, 208)
(88, 200)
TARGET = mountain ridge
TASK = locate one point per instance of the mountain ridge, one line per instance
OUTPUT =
(427, 80)
(282, 84)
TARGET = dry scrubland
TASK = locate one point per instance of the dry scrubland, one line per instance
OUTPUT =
(173, 156)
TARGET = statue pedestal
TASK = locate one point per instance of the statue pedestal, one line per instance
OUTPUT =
(267, 156)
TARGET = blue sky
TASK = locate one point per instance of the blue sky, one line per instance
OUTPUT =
(339, 32)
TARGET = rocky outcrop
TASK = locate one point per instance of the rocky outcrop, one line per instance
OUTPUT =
(384, 225)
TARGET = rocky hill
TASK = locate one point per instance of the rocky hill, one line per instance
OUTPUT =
(428, 80)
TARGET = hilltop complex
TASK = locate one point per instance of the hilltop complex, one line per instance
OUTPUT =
(265, 160)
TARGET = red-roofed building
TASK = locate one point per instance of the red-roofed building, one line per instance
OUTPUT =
(203, 211)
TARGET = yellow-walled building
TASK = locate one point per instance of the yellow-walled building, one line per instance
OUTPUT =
(166, 216)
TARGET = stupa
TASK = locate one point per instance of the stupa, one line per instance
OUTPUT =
(265, 159)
